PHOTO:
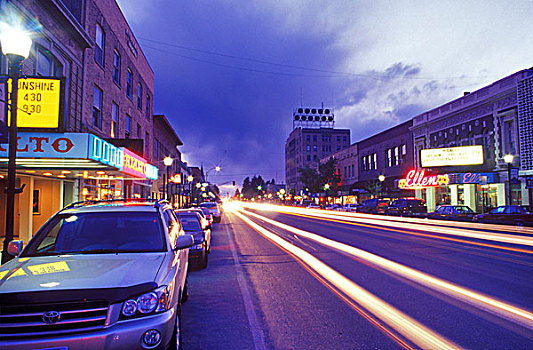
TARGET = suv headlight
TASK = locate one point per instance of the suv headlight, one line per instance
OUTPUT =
(155, 301)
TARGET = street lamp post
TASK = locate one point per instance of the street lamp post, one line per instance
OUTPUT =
(381, 178)
(508, 159)
(190, 179)
(16, 45)
(168, 163)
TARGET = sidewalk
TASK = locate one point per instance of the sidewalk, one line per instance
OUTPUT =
(215, 316)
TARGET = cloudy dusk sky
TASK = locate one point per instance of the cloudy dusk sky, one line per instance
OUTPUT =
(228, 73)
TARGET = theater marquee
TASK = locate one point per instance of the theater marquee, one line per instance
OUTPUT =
(452, 156)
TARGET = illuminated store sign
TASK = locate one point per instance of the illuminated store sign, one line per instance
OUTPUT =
(138, 166)
(49, 145)
(466, 155)
(38, 100)
(418, 179)
(105, 152)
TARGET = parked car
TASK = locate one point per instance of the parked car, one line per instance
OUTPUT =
(206, 223)
(96, 274)
(373, 206)
(507, 215)
(215, 209)
(407, 207)
(352, 207)
(192, 224)
(313, 206)
(333, 207)
(207, 214)
(452, 212)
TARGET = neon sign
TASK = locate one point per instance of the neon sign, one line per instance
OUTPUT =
(418, 179)
(105, 152)
(138, 166)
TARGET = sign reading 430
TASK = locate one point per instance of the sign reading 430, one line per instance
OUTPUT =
(38, 102)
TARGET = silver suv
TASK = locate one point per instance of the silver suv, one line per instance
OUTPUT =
(97, 275)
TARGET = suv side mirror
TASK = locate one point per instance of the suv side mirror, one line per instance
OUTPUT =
(15, 247)
(185, 241)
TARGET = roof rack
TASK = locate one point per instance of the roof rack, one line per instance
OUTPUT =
(157, 202)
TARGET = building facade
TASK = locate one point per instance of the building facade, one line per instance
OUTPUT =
(491, 118)
(313, 137)
(102, 147)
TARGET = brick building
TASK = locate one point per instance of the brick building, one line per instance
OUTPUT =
(313, 137)
(492, 118)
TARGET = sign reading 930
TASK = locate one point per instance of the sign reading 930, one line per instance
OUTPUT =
(38, 102)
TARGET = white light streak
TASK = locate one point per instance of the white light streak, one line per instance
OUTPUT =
(416, 332)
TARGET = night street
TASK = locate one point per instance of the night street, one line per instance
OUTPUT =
(400, 283)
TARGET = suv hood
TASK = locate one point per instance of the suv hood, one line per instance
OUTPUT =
(48, 273)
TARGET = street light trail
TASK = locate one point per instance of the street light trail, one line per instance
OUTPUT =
(416, 332)
(384, 221)
(499, 308)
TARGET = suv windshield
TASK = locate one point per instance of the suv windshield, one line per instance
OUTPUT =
(98, 232)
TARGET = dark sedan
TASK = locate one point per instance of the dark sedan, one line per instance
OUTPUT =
(452, 212)
(191, 223)
(373, 206)
(507, 215)
(407, 207)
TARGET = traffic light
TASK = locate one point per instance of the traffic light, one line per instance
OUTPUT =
(259, 187)
(233, 183)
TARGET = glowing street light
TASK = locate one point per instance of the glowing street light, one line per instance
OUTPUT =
(16, 44)
(508, 159)
(168, 163)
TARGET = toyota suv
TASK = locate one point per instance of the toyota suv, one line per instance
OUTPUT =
(97, 275)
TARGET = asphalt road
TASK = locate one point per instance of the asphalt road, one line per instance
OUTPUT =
(360, 282)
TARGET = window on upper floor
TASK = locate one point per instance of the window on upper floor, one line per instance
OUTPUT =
(308, 137)
(314, 138)
(388, 155)
(116, 67)
(375, 160)
(308, 147)
(147, 144)
(97, 107)
(509, 144)
(99, 45)
(396, 155)
(139, 131)
(114, 120)
(148, 107)
(127, 128)
(140, 97)
(129, 84)
(47, 65)
(314, 148)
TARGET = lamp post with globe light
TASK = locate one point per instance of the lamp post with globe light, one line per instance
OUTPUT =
(16, 44)
(168, 163)
(381, 178)
(508, 159)
(190, 179)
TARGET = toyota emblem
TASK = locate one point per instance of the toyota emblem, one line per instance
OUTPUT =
(51, 317)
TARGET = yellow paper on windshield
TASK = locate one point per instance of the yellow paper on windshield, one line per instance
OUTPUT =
(42, 269)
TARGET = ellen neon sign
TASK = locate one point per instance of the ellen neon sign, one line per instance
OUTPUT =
(418, 179)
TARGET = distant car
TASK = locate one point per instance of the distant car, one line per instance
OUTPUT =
(406, 207)
(313, 206)
(333, 207)
(373, 206)
(351, 207)
(192, 224)
(205, 221)
(507, 215)
(98, 274)
(452, 212)
(207, 214)
(215, 209)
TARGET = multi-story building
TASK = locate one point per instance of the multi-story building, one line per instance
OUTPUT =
(347, 168)
(465, 141)
(166, 142)
(313, 137)
(102, 146)
(385, 158)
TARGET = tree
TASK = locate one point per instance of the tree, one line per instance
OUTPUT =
(310, 178)
(328, 174)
